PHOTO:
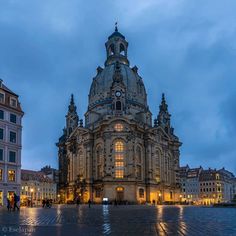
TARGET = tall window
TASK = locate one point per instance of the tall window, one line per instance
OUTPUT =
(139, 162)
(119, 159)
(12, 175)
(12, 137)
(13, 118)
(158, 165)
(12, 156)
(1, 114)
(1, 174)
(81, 163)
(13, 102)
(99, 162)
(2, 97)
(118, 106)
(1, 133)
(1, 154)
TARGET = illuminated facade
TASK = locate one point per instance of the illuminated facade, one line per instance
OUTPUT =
(36, 186)
(118, 153)
(10, 143)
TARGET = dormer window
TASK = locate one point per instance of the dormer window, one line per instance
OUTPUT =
(2, 97)
(13, 102)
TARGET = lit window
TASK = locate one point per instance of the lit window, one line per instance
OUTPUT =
(12, 175)
(13, 118)
(119, 127)
(119, 146)
(119, 174)
(13, 102)
(2, 97)
(1, 174)
(12, 137)
(141, 193)
(119, 157)
(119, 164)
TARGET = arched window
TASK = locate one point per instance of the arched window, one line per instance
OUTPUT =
(141, 193)
(99, 162)
(122, 49)
(111, 50)
(118, 106)
(80, 164)
(139, 162)
(158, 165)
(119, 158)
(139, 155)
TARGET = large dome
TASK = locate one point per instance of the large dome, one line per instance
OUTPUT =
(102, 83)
(117, 83)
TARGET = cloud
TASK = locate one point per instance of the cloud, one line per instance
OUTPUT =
(186, 49)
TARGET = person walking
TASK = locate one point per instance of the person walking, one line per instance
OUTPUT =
(16, 199)
(8, 204)
(89, 203)
(12, 202)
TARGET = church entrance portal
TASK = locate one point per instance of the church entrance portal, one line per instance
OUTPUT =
(120, 194)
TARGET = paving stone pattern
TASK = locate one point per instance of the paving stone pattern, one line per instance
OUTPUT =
(121, 220)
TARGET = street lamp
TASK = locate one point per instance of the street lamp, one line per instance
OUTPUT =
(31, 190)
(159, 197)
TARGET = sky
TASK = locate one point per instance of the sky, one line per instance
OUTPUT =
(186, 49)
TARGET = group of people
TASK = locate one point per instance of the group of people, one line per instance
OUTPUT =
(12, 202)
(46, 203)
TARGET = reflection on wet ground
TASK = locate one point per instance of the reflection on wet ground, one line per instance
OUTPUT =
(119, 220)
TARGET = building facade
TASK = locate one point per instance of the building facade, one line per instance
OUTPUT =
(10, 143)
(118, 154)
(206, 187)
(190, 186)
(35, 187)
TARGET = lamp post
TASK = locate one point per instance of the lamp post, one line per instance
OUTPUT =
(160, 198)
(31, 191)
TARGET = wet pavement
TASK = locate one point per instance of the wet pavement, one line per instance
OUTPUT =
(121, 220)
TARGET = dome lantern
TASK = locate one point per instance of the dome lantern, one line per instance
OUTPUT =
(116, 48)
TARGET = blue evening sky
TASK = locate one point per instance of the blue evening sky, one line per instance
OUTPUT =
(187, 49)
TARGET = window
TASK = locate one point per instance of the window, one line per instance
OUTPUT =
(2, 97)
(1, 154)
(119, 174)
(119, 159)
(118, 105)
(12, 175)
(1, 133)
(119, 127)
(13, 118)
(99, 162)
(1, 174)
(141, 193)
(98, 193)
(13, 102)
(12, 156)
(12, 137)
(1, 114)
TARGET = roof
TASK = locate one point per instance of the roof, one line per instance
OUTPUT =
(116, 34)
(27, 175)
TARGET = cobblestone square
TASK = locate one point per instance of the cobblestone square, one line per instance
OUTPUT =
(121, 220)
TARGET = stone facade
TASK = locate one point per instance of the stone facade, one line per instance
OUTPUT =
(10, 143)
(118, 154)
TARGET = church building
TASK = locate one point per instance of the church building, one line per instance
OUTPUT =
(119, 154)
